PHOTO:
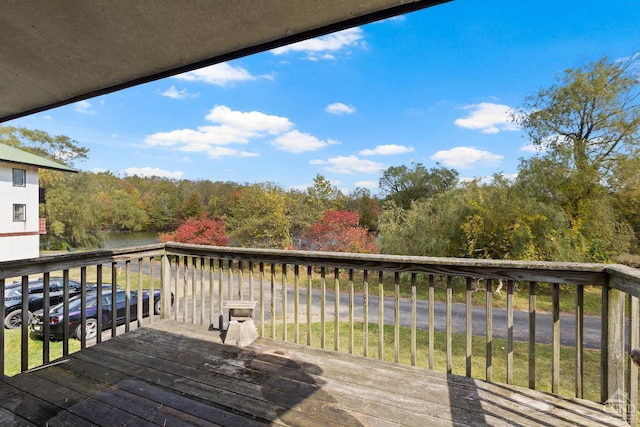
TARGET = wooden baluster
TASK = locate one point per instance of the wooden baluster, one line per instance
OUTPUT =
(365, 313)
(127, 296)
(532, 335)
(431, 320)
(489, 332)
(632, 378)
(396, 317)
(46, 299)
(114, 302)
(262, 299)
(309, 303)
(296, 303)
(509, 331)
(323, 302)
(449, 326)
(283, 299)
(555, 338)
(351, 313)
(194, 290)
(66, 334)
(336, 310)
(414, 320)
(469, 327)
(221, 295)
(273, 301)
(579, 348)
(380, 315)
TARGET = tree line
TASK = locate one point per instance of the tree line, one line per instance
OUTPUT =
(576, 199)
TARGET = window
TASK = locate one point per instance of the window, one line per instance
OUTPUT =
(19, 213)
(19, 178)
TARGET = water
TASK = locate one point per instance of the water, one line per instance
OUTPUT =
(126, 240)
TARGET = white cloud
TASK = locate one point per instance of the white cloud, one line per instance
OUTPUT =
(387, 150)
(232, 127)
(467, 157)
(149, 171)
(198, 140)
(530, 148)
(84, 107)
(367, 184)
(324, 47)
(487, 118)
(174, 93)
(219, 74)
(252, 121)
(349, 165)
(340, 108)
(299, 142)
(236, 127)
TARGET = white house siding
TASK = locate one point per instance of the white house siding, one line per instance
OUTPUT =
(18, 239)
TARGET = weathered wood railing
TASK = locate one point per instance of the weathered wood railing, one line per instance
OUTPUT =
(364, 304)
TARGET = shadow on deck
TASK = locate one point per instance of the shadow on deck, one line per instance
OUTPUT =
(174, 374)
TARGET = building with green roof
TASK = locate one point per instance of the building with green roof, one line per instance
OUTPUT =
(20, 222)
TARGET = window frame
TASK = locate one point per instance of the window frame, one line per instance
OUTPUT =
(22, 175)
(16, 218)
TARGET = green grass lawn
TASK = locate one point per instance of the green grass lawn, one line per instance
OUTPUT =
(12, 351)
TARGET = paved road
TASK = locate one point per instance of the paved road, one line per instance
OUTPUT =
(591, 330)
(544, 321)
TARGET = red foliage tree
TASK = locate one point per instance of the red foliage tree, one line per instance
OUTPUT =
(199, 231)
(338, 231)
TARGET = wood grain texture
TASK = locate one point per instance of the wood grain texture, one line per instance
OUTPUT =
(176, 374)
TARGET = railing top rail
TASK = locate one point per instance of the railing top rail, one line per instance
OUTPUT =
(555, 272)
(76, 259)
(617, 276)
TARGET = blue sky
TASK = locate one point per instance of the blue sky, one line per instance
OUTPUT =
(433, 86)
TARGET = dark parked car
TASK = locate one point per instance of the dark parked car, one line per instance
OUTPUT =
(13, 298)
(75, 313)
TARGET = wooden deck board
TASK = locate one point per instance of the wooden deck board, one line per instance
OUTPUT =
(173, 374)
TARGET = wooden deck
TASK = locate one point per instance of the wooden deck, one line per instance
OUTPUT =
(173, 374)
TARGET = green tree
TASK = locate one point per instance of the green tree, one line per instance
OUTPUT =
(74, 212)
(590, 117)
(403, 185)
(60, 147)
(586, 126)
(322, 196)
(125, 211)
(259, 218)
(192, 206)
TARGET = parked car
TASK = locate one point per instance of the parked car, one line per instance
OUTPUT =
(75, 313)
(13, 298)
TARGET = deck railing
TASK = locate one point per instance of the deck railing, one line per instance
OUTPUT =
(367, 304)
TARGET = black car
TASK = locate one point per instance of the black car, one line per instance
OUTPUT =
(13, 298)
(75, 312)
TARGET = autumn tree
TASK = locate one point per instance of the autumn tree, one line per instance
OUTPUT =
(366, 205)
(199, 231)
(338, 231)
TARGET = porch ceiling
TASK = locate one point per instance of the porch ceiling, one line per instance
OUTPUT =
(54, 54)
